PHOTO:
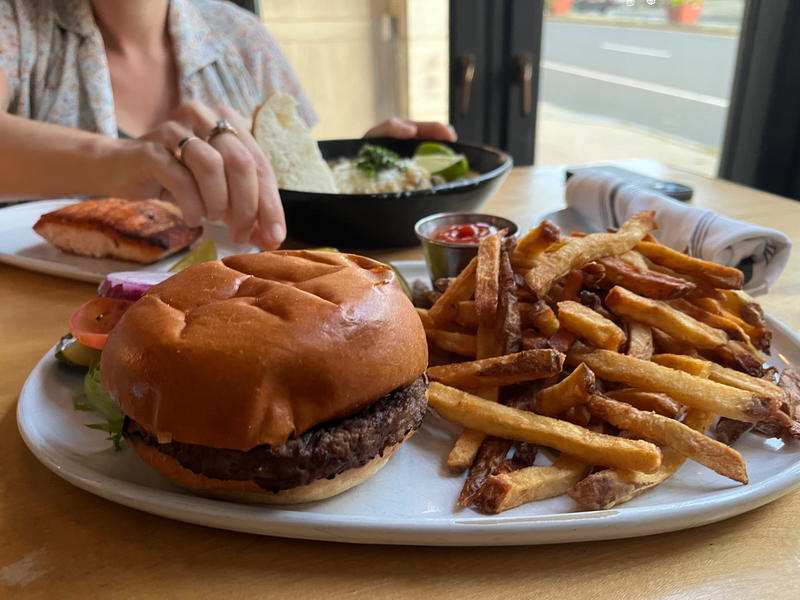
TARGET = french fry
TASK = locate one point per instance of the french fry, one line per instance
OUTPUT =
(760, 337)
(487, 344)
(702, 288)
(540, 316)
(605, 489)
(487, 275)
(789, 383)
(508, 317)
(572, 285)
(502, 338)
(462, 344)
(425, 318)
(509, 490)
(575, 388)
(442, 283)
(640, 340)
(729, 326)
(665, 343)
(685, 388)
(445, 308)
(590, 325)
(578, 414)
(509, 423)
(463, 452)
(737, 378)
(723, 375)
(717, 276)
(593, 301)
(643, 281)
(490, 456)
(694, 366)
(657, 313)
(727, 431)
(533, 340)
(652, 401)
(533, 243)
(506, 369)
(740, 303)
(552, 265)
(669, 432)
(467, 317)
(524, 455)
(737, 356)
(562, 340)
(632, 257)
(593, 274)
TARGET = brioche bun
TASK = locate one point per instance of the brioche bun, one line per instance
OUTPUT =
(254, 351)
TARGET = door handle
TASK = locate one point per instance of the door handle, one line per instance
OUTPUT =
(467, 68)
(525, 69)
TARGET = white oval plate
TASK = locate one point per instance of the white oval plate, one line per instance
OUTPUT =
(411, 501)
(22, 247)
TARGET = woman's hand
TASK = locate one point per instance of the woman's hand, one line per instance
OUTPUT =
(405, 129)
(225, 179)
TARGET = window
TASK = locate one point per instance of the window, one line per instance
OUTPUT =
(637, 78)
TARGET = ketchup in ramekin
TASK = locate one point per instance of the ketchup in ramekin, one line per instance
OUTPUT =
(450, 240)
(462, 233)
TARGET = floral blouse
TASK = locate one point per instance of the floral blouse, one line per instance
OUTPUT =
(53, 57)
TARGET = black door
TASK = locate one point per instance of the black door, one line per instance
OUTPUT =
(494, 66)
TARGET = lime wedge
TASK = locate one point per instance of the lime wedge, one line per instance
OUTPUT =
(434, 148)
(449, 167)
(203, 252)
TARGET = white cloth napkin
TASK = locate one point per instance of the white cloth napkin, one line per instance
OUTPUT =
(607, 201)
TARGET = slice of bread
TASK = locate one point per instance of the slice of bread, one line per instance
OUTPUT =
(286, 140)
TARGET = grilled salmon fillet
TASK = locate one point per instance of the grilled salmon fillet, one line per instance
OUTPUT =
(142, 231)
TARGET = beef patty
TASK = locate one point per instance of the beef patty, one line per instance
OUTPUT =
(323, 451)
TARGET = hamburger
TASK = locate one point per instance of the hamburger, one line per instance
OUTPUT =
(278, 377)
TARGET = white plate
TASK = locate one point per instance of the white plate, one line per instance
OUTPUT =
(22, 247)
(411, 500)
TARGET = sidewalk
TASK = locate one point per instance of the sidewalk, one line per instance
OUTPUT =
(565, 137)
(723, 17)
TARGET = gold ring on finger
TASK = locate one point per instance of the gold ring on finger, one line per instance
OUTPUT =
(220, 128)
(182, 146)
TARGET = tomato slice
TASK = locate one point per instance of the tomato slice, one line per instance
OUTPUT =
(92, 322)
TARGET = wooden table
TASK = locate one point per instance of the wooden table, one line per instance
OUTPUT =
(61, 542)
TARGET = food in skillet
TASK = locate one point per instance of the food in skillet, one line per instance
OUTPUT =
(277, 377)
(298, 163)
(141, 231)
(608, 353)
(378, 170)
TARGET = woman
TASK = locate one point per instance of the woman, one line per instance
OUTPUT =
(146, 99)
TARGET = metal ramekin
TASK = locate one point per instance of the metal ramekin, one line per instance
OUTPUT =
(446, 259)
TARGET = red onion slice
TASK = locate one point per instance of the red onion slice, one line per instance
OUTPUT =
(130, 285)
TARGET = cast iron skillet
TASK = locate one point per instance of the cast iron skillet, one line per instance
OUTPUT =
(387, 220)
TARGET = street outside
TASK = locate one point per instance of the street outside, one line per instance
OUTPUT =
(627, 83)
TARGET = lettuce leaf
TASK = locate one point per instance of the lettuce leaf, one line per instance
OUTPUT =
(92, 398)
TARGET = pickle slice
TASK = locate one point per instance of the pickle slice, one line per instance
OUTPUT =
(203, 252)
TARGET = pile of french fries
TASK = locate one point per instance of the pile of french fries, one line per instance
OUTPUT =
(614, 356)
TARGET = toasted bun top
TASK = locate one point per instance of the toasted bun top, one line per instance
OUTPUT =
(253, 349)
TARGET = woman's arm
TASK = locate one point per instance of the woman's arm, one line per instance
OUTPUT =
(41, 160)
(227, 178)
